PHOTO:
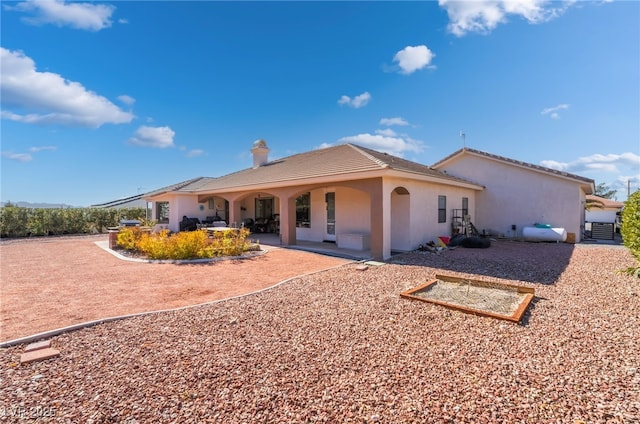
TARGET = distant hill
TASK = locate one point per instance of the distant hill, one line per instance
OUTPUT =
(38, 205)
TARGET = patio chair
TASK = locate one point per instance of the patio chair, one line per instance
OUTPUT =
(248, 223)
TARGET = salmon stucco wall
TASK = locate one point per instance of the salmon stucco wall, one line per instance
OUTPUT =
(414, 216)
(520, 197)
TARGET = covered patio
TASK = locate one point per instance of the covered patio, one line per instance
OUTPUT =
(325, 248)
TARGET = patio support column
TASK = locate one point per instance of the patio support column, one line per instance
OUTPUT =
(235, 214)
(377, 236)
(287, 220)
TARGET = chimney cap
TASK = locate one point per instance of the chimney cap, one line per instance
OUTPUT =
(260, 153)
(260, 144)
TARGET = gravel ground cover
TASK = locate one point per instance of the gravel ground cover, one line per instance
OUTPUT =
(341, 346)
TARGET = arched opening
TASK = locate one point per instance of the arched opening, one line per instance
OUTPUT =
(259, 211)
(400, 219)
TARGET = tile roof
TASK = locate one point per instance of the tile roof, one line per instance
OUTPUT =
(514, 162)
(342, 160)
(188, 185)
(607, 203)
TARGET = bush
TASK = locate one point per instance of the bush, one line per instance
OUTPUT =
(189, 245)
(13, 221)
(23, 222)
(631, 229)
(229, 242)
(129, 237)
(154, 246)
(183, 245)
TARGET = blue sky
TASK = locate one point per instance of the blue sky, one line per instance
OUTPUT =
(104, 100)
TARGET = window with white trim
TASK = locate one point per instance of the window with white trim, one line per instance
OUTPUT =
(162, 212)
(442, 209)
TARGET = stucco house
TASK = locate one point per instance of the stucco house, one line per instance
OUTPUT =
(607, 211)
(363, 199)
(518, 194)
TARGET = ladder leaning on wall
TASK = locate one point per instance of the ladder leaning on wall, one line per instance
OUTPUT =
(461, 224)
(470, 229)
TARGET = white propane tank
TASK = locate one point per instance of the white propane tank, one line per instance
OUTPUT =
(544, 234)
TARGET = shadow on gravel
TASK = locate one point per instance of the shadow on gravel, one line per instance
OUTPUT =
(524, 321)
(540, 263)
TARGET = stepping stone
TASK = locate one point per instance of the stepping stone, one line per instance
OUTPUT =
(38, 355)
(38, 345)
(362, 267)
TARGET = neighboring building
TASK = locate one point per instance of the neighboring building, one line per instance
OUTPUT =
(603, 211)
(136, 201)
(518, 194)
(608, 210)
(363, 199)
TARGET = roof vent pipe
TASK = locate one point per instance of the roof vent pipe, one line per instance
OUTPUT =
(260, 153)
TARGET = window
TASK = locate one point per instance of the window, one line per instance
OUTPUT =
(162, 212)
(465, 206)
(303, 210)
(264, 208)
(442, 209)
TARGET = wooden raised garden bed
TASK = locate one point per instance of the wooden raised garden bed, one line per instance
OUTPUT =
(486, 298)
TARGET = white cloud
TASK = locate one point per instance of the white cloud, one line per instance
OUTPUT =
(609, 163)
(195, 153)
(48, 98)
(394, 121)
(42, 148)
(27, 157)
(20, 157)
(87, 16)
(393, 144)
(553, 111)
(356, 102)
(127, 100)
(483, 16)
(413, 58)
(598, 166)
(324, 146)
(387, 132)
(159, 137)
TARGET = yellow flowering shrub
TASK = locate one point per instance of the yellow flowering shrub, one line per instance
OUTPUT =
(229, 242)
(184, 245)
(128, 238)
(154, 246)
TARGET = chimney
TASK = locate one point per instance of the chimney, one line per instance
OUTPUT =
(260, 153)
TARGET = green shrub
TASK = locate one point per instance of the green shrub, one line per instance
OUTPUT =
(13, 221)
(23, 222)
(39, 222)
(630, 229)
